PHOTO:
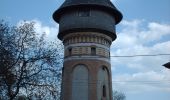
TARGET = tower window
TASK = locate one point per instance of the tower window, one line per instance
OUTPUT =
(84, 13)
(93, 51)
(104, 91)
(70, 51)
(62, 71)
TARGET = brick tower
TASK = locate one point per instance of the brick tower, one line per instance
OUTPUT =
(87, 29)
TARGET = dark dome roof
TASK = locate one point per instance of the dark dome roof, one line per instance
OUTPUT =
(98, 4)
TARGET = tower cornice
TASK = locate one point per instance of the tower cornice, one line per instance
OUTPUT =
(105, 5)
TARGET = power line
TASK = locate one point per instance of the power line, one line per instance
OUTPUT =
(162, 81)
(142, 81)
(144, 55)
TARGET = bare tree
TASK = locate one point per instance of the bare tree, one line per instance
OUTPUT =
(29, 65)
(118, 95)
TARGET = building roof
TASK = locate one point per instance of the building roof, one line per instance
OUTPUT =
(98, 4)
(167, 65)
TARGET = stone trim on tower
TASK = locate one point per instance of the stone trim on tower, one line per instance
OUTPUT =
(82, 44)
(87, 37)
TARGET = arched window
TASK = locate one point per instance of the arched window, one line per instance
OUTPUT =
(104, 91)
(103, 85)
(80, 83)
(62, 71)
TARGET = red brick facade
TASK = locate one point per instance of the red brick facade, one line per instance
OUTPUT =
(93, 67)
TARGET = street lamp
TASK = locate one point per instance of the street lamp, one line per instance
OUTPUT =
(167, 65)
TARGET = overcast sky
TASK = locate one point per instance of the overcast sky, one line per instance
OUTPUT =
(144, 30)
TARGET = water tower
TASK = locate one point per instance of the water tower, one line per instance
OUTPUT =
(87, 29)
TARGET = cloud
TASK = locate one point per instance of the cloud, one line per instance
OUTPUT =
(140, 33)
(142, 82)
(139, 37)
(155, 31)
